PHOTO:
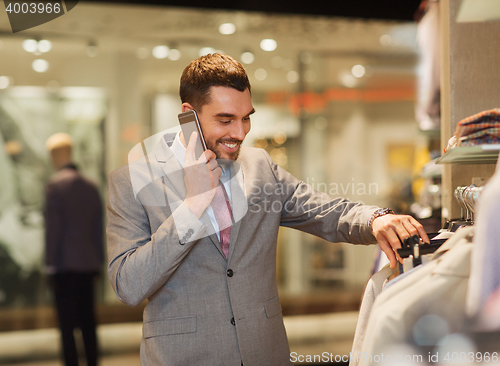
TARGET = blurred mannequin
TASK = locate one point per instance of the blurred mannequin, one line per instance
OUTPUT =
(59, 146)
(74, 248)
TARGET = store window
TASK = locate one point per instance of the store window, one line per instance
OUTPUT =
(28, 116)
(334, 102)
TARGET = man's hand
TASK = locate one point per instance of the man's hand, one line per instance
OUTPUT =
(388, 229)
(201, 178)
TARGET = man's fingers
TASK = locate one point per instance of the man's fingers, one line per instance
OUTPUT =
(215, 175)
(420, 230)
(394, 236)
(207, 156)
(389, 243)
(213, 164)
(393, 239)
(389, 252)
(391, 230)
(413, 227)
(409, 226)
(404, 230)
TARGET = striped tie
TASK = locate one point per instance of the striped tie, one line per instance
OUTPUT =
(224, 216)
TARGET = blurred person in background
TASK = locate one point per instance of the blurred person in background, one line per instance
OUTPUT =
(74, 248)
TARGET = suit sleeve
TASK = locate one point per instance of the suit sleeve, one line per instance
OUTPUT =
(98, 228)
(54, 218)
(314, 212)
(141, 262)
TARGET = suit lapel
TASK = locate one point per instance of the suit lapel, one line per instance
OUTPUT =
(213, 236)
(170, 168)
(173, 172)
(238, 202)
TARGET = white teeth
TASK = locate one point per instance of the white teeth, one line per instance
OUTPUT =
(232, 146)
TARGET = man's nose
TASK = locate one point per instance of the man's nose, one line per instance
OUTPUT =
(238, 131)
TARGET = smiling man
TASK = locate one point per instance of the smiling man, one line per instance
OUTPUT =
(206, 262)
(226, 120)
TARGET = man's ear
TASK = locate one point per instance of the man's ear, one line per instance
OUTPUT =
(187, 107)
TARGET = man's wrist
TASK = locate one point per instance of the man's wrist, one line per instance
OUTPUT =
(379, 213)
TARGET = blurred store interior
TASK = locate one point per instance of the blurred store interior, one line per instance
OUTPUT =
(336, 101)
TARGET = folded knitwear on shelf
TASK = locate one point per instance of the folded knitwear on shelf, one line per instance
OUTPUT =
(481, 128)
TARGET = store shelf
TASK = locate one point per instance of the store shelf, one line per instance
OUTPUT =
(431, 170)
(482, 154)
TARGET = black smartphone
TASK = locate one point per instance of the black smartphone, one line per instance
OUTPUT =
(189, 124)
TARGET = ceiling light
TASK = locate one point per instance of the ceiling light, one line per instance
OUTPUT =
(292, 76)
(44, 45)
(40, 65)
(205, 51)
(268, 44)
(30, 45)
(160, 52)
(174, 54)
(358, 71)
(4, 82)
(247, 57)
(260, 74)
(227, 28)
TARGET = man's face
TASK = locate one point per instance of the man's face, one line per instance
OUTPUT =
(225, 120)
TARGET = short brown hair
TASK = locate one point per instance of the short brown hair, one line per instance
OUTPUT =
(211, 70)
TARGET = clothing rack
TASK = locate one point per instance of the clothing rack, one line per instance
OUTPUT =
(467, 197)
(414, 247)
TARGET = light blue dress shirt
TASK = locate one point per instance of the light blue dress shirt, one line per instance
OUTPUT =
(180, 153)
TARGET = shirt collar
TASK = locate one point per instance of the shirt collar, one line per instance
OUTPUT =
(69, 166)
(178, 149)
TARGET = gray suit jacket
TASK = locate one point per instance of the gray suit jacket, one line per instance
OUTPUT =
(204, 309)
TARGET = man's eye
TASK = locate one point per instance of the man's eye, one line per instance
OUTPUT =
(225, 122)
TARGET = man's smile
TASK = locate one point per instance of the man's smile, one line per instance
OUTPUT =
(230, 145)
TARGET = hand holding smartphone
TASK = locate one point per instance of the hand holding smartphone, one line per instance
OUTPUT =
(200, 179)
(189, 123)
